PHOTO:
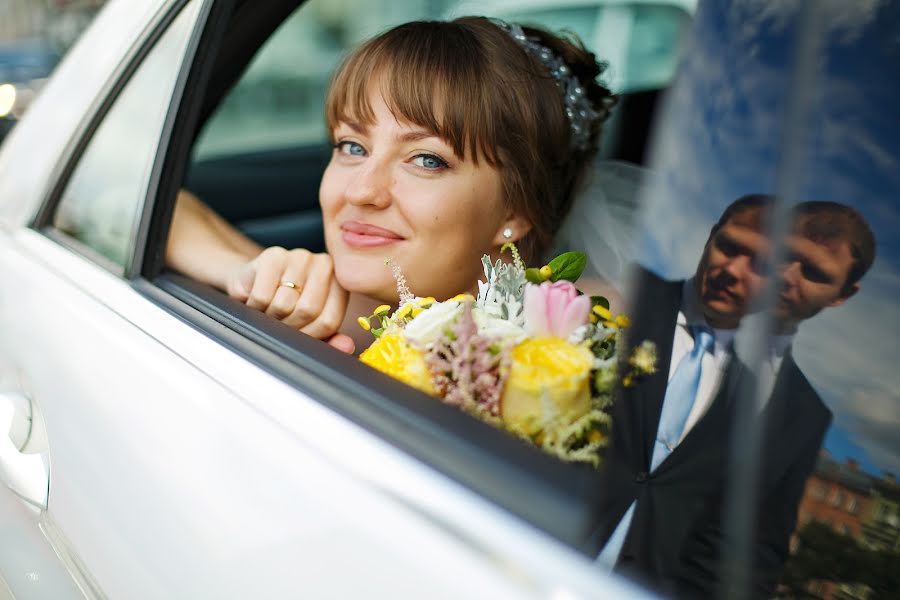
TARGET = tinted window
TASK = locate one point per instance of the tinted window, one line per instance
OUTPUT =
(102, 200)
(789, 106)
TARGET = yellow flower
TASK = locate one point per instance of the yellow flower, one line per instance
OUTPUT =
(549, 377)
(391, 355)
(546, 271)
(643, 358)
(364, 323)
(382, 310)
(602, 312)
(426, 302)
(462, 297)
(405, 310)
(623, 321)
(417, 311)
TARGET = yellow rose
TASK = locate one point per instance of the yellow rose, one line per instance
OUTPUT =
(549, 377)
(391, 355)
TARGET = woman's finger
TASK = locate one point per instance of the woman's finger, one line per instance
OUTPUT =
(342, 342)
(272, 274)
(308, 306)
(332, 314)
(240, 282)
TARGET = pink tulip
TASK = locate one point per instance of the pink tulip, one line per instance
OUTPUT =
(555, 309)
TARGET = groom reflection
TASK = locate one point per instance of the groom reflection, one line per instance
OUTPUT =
(665, 478)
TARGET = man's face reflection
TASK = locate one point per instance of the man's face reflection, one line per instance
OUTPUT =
(731, 273)
(729, 277)
(813, 277)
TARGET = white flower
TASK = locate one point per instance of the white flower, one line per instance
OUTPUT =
(426, 328)
(493, 326)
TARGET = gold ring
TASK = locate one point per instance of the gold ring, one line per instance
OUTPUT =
(290, 284)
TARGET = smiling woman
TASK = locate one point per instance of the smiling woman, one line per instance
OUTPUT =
(450, 139)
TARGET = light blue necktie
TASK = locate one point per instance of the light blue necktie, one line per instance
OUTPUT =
(680, 394)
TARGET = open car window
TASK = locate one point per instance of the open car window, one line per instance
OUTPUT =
(256, 159)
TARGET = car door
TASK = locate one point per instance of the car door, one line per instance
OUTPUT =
(181, 456)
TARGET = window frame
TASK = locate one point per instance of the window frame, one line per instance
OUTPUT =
(107, 97)
(558, 498)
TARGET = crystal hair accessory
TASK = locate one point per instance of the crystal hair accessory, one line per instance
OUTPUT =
(578, 106)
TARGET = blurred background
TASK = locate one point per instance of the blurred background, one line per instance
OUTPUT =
(34, 35)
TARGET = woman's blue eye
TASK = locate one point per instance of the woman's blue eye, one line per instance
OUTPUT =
(430, 161)
(351, 148)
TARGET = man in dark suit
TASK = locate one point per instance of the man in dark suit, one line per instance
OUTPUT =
(665, 475)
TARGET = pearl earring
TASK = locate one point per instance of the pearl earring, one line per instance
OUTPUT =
(507, 233)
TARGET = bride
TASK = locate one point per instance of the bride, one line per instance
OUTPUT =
(450, 139)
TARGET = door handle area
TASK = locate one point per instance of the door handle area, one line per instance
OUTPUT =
(25, 473)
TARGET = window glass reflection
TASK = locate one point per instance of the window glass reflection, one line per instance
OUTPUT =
(847, 541)
(105, 193)
(784, 452)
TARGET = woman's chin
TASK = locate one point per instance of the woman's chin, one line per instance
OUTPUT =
(373, 285)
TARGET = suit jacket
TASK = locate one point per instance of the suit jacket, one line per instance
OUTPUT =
(675, 542)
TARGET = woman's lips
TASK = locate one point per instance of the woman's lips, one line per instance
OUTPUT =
(363, 235)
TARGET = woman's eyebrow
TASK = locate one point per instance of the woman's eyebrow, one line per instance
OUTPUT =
(355, 126)
(416, 135)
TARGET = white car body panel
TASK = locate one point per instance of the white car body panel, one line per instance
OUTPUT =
(178, 468)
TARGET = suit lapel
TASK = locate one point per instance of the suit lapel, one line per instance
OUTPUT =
(654, 317)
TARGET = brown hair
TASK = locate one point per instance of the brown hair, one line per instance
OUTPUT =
(471, 84)
(822, 220)
(742, 205)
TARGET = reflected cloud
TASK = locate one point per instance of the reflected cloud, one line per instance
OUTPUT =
(843, 19)
(851, 361)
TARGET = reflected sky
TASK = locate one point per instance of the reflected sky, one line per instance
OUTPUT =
(721, 138)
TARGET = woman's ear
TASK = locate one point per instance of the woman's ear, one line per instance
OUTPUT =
(513, 229)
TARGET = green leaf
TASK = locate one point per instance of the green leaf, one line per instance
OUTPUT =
(533, 275)
(601, 300)
(377, 332)
(568, 266)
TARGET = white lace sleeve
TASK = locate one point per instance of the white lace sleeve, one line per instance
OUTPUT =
(603, 219)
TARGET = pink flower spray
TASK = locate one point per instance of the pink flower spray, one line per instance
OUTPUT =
(555, 309)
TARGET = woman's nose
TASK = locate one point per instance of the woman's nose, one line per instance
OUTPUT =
(370, 185)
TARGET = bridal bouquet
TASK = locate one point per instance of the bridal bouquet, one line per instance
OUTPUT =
(531, 354)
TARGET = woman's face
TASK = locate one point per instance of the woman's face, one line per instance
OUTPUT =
(396, 191)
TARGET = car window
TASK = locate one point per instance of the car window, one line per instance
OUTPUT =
(103, 197)
(790, 108)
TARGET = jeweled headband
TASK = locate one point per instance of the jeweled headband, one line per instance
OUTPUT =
(578, 107)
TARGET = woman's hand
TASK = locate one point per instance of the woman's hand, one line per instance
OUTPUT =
(315, 304)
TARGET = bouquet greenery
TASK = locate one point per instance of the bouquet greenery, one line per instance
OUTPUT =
(531, 354)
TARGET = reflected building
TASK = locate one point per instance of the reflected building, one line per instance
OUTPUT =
(847, 510)
(881, 530)
(838, 495)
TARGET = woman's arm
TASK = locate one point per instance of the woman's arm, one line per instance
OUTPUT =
(203, 246)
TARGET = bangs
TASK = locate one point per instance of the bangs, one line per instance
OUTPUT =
(430, 74)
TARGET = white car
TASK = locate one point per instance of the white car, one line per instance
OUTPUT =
(165, 442)
(160, 440)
